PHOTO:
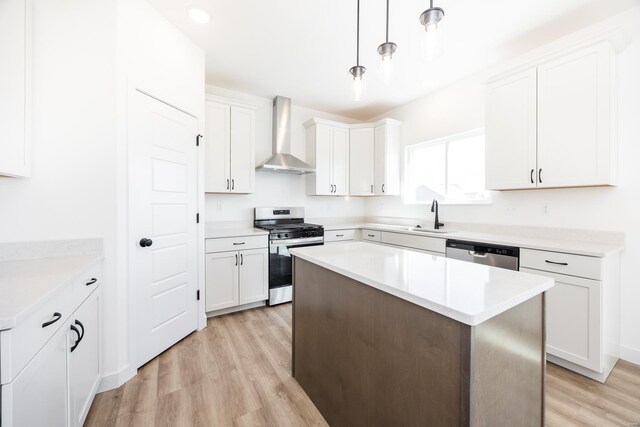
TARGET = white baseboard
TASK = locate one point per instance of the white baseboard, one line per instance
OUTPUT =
(116, 379)
(630, 354)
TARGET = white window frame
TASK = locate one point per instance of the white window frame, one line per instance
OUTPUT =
(444, 140)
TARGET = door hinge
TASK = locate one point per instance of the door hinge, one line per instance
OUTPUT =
(198, 218)
(198, 140)
(198, 294)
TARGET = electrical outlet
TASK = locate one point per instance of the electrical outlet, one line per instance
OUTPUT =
(219, 208)
(510, 210)
(545, 209)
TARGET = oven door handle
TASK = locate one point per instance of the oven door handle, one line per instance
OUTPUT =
(293, 242)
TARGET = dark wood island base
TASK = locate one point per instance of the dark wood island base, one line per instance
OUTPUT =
(369, 358)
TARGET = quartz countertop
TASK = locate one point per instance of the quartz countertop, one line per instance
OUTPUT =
(216, 233)
(28, 283)
(594, 249)
(463, 291)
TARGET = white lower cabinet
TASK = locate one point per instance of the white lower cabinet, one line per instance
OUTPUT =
(235, 278)
(56, 387)
(332, 236)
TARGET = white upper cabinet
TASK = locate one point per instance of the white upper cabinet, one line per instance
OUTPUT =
(361, 161)
(554, 125)
(15, 84)
(386, 180)
(328, 153)
(576, 127)
(511, 131)
(229, 148)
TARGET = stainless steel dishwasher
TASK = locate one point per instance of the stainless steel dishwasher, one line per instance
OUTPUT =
(484, 253)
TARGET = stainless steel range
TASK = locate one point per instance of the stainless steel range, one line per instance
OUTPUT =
(287, 229)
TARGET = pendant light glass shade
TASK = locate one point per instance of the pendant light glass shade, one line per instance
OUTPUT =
(431, 42)
(386, 51)
(358, 84)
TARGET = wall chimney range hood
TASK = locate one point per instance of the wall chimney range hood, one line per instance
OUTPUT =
(282, 161)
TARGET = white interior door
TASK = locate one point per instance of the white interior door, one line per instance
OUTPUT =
(243, 162)
(164, 186)
(217, 147)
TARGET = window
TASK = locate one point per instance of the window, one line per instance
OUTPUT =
(449, 169)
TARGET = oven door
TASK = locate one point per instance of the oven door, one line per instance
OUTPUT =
(280, 263)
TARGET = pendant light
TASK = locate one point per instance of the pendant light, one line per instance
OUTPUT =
(358, 86)
(432, 36)
(386, 51)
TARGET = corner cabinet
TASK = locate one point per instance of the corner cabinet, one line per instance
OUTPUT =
(328, 152)
(236, 277)
(353, 160)
(51, 360)
(229, 147)
(554, 125)
(15, 87)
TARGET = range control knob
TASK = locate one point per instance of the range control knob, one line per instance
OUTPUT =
(286, 235)
(279, 236)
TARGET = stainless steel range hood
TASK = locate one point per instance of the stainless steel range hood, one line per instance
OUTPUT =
(282, 161)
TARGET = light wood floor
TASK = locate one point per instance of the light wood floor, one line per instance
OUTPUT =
(236, 372)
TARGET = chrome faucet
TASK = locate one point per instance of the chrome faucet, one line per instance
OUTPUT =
(434, 208)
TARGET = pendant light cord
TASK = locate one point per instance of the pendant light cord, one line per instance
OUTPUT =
(358, 36)
(388, 21)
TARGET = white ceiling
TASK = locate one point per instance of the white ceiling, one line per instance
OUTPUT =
(303, 49)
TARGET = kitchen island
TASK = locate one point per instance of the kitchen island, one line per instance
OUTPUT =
(388, 336)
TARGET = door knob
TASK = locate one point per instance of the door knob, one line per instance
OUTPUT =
(144, 242)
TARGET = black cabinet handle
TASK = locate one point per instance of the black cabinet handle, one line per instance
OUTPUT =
(56, 316)
(75, 344)
(238, 243)
(383, 188)
(79, 323)
(540, 175)
(241, 259)
(233, 184)
(555, 263)
(339, 235)
(532, 171)
(371, 188)
(227, 184)
(91, 282)
(371, 235)
(236, 259)
(144, 242)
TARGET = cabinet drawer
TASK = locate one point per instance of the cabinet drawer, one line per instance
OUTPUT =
(424, 243)
(236, 243)
(339, 235)
(558, 262)
(86, 283)
(20, 344)
(371, 235)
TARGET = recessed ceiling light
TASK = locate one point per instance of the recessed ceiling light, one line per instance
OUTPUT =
(199, 15)
(428, 83)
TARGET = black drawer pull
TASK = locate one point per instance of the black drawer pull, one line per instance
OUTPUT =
(56, 316)
(371, 235)
(532, 175)
(339, 235)
(91, 282)
(238, 243)
(555, 263)
(75, 344)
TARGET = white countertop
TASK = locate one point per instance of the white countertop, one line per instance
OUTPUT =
(555, 245)
(28, 283)
(216, 233)
(463, 291)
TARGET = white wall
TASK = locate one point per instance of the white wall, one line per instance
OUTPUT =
(72, 192)
(461, 107)
(278, 189)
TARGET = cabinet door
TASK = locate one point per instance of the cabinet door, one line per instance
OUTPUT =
(254, 275)
(380, 160)
(217, 147)
(221, 278)
(575, 119)
(15, 29)
(340, 162)
(324, 160)
(84, 360)
(361, 153)
(38, 396)
(573, 319)
(243, 164)
(511, 132)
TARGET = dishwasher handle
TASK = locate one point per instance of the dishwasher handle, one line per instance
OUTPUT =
(478, 254)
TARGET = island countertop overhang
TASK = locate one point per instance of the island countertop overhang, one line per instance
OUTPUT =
(466, 292)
